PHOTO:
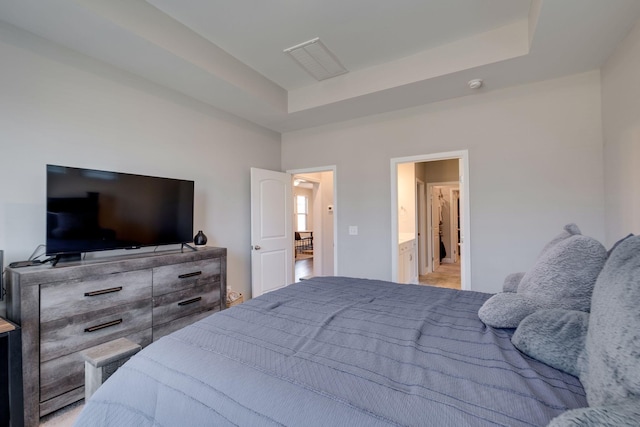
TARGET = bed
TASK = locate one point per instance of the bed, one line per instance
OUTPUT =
(337, 351)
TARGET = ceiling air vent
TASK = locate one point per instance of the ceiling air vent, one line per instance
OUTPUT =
(314, 57)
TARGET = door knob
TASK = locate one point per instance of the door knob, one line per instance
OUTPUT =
(257, 247)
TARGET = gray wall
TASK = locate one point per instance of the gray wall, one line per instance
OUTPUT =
(536, 163)
(62, 108)
(621, 122)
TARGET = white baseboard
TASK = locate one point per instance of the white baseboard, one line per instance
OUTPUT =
(446, 261)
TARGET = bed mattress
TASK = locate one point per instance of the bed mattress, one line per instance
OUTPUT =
(337, 351)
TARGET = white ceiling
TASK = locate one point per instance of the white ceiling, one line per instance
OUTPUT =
(362, 33)
(399, 54)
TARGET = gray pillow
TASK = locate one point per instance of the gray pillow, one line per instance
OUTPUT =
(562, 277)
(507, 309)
(512, 281)
(610, 363)
(623, 414)
(567, 231)
(566, 274)
(618, 242)
(555, 337)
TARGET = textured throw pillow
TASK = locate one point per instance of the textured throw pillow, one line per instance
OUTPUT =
(618, 242)
(623, 414)
(512, 281)
(506, 310)
(610, 363)
(562, 277)
(555, 337)
(567, 231)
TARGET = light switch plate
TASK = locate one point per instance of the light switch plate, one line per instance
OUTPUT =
(353, 230)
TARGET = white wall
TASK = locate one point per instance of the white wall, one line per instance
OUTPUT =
(536, 163)
(327, 199)
(62, 108)
(406, 199)
(621, 123)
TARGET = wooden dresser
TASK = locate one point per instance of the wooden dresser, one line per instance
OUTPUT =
(66, 309)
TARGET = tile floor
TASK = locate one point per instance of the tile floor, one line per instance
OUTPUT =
(445, 276)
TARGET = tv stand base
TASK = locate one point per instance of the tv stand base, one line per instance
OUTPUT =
(187, 245)
(65, 258)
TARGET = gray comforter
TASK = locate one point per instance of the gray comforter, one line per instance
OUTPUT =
(337, 351)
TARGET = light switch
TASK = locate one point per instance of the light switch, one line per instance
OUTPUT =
(353, 230)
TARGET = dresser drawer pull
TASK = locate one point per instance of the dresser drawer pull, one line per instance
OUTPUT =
(190, 301)
(187, 275)
(104, 325)
(102, 291)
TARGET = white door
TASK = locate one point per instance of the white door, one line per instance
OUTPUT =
(271, 231)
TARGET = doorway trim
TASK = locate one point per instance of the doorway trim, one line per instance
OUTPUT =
(454, 195)
(334, 170)
(465, 232)
(422, 228)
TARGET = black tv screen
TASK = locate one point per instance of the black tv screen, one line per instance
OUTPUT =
(93, 210)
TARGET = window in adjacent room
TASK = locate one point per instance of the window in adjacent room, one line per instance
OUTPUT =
(302, 210)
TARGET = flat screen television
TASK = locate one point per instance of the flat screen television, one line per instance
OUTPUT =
(93, 210)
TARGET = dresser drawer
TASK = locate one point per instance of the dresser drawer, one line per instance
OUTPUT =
(62, 300)
(175, 305)
(66, 373)
(166, 328)
(64, 336)
(170, 278)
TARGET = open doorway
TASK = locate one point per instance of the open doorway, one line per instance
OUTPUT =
(430, 220)
(304, 193)
(314, 222)
(443, 234)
